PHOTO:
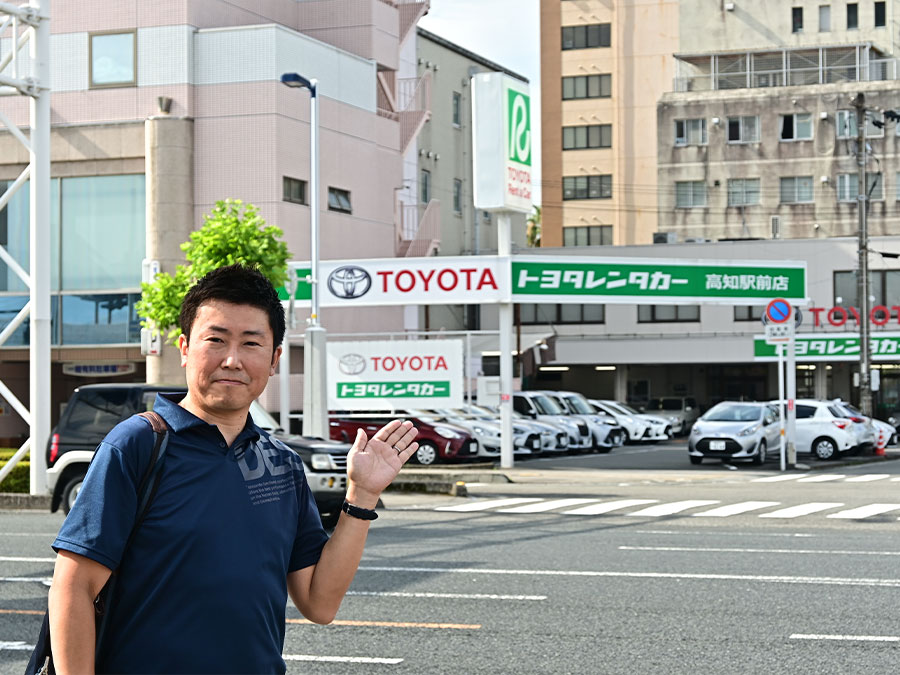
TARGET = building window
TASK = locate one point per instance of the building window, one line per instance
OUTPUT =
(532, 314)
(743, 192)
(690, 194)
(456, 109)
(586, 37)
(294, 190)
(848, 187)
(668, 313)
(457, 196)
(588, 235)
(884, 287)
(587, 187)
(425, 186)
(879, 15)
(852, 15)
(845, 123)
(797, 190)
(824, 18)
(897, 185)
(587, 136)
(796, 19)
(743, 129)
(690, 132)
(796, 127)
(112, 58)
(748, 312)
(339, 200)
(586, 86)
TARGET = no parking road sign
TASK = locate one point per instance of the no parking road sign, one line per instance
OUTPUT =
(779, 311)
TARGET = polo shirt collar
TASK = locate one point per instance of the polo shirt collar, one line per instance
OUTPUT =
(179, 419)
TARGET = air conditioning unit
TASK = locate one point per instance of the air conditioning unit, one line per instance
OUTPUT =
(696, 240)
(665, 238)
(776, 227)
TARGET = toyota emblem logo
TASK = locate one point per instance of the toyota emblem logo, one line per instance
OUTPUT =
(352, 364)
(349, 282)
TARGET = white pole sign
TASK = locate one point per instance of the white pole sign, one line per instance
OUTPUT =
(394, 374)
(501, 138)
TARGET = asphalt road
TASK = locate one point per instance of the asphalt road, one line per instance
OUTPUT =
(786, 576)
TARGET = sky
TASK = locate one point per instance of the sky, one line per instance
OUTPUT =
(506, 32)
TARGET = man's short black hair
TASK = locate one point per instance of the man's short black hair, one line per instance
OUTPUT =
(239, 285)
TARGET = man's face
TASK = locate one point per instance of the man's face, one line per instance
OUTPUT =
(229, 358)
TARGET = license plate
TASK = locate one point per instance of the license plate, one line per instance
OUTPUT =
(717, 445)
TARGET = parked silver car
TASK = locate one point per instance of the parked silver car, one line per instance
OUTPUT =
(735, 431)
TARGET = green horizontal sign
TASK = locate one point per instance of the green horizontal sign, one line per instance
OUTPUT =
(837, 347)
(626, 281)
(420, 389)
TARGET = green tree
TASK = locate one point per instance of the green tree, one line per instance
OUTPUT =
(533, 229)
(232, 233)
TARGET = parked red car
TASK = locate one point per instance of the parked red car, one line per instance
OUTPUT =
(438, 441)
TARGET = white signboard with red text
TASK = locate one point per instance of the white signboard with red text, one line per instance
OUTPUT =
(501, 140)
(395, 374)
(407, 281)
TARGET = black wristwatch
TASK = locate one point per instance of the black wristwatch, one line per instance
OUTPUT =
(358, 511)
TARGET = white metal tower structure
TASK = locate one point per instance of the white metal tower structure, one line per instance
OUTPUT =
(19, 76)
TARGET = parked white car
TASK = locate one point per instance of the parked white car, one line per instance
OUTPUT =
(605, 429)
(733, 430)
(862, 425)
(526, 441)
(683, 410)
(823, 430)
(540, 407)
(554, 438)
(634, 427)
(640, 426)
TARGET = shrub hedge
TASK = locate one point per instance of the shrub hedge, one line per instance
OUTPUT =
(19, 480)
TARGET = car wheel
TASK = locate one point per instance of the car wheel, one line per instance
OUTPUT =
(824, 448)
(695, 460)
(70, 492)
(760, 454)
(426, 454)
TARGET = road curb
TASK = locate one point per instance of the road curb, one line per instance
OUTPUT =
(447, 486)
(21, 501)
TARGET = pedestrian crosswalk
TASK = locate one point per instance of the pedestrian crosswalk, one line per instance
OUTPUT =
(827, 478)
(654, 508)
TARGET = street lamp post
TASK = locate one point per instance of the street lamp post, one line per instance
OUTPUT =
(315, 407)
(865, 383)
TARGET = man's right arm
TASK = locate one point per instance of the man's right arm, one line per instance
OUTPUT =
(76, 582)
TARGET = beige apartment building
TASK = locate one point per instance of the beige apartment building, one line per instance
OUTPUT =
(604, 66)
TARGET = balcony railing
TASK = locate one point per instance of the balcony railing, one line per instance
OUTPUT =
(785, 68)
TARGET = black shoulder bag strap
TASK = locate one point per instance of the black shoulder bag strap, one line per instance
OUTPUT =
(146, 492)
(41, 661)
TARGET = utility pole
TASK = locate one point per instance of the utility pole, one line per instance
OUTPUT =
(862, 281)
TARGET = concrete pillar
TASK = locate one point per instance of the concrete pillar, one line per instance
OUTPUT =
(621, 388)
(820, 382)
(169, 158)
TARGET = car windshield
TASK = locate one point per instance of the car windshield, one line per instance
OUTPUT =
(578, 405)
(548, 406)
(733, 412)
(626, 408)
(262, 418)
(480, 413)
(664, 404)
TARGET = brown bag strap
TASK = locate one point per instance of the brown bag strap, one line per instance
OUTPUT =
(156, 421)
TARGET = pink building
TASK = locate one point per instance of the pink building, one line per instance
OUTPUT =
(159, 109)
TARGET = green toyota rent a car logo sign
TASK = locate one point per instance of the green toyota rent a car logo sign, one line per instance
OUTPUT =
(518, 127)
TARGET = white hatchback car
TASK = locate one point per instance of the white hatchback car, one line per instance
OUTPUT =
(823, 430)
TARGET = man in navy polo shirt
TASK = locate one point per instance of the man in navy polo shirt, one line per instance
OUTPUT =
(233, 529)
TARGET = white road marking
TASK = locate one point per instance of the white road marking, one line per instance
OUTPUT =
(802, 510)
(824, 478)
(867, 478)
(546, 506)
(487, 504)
(700, 549)
(775, 479)
(341, 659)
(682, 533)
(16, 646)
(42, 580)
(453, 596)
(865, 511)
(28, 534)
(734, 509)
(824, 581)
(16, 559)
(673, 507)
(895, 480)
(606, 507)
(855, 638)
